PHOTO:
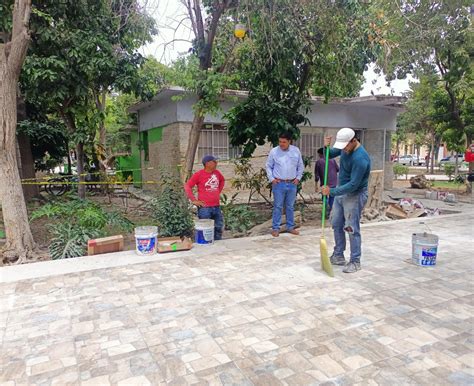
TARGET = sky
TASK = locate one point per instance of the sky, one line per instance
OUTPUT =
(175, 34)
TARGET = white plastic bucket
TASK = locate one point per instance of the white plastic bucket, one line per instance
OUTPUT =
(145, 240)
(424, 249)
(204, 232)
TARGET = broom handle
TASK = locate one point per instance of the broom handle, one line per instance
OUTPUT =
(326, 168)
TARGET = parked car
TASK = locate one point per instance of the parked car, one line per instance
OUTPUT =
(418, 161)
(451, 160)
(405, 160)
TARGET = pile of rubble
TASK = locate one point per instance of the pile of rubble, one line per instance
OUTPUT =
(409, 208)
(374, 215)
(420, 182)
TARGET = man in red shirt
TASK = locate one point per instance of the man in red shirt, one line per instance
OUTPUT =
(209, 182)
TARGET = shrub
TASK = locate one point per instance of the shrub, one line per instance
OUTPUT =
(171, 208)
(70, 240)
(246, 178)
(400, 170)
(449, 170)
(460, 179)
(78, 221)
(237, 218)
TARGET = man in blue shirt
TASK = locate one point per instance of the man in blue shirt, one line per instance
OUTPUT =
(284, 170)
(350, 196)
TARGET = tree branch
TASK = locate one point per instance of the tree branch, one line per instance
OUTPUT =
(16, 53)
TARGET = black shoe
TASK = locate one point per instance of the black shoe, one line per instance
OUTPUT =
(337, 260)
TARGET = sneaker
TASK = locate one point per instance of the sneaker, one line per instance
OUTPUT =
(275, 233)
(294, 232)
(351, 267)
(337, 260)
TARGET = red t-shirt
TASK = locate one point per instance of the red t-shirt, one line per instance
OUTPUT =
(209, 186)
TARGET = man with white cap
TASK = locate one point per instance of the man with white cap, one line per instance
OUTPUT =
(350, 196)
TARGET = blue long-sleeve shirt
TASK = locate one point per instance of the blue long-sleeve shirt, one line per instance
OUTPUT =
(354, 171)
(285, 164)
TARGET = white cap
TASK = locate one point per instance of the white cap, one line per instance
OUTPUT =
(343, 137)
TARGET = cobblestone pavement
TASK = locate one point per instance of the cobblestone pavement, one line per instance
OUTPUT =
(256, 311)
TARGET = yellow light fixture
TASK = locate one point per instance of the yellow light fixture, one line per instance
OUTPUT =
(239, 31)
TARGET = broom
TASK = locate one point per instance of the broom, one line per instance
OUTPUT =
(323, 247)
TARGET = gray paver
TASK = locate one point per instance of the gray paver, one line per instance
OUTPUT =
(246, 312)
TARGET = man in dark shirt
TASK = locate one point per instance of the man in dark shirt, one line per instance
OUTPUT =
(333, 169)
(351, 196)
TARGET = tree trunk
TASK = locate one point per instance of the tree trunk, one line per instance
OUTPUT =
(433, 150)
(81, 188)
(20, 244)
(27, 169)
(100, 100)
(193, 142)
(69, 161)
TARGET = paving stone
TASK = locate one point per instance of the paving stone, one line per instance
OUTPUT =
(250, 312)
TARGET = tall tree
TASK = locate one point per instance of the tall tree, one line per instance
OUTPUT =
(297, 49)
(421, 116)
(427, 36)
(80, 52)
(14, 40)
(205, 19)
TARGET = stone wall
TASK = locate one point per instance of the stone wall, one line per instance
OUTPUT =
(163, 154)
(373, 142)
(171, 150)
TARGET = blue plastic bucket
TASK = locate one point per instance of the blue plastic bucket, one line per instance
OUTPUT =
(424, 249)
(204, 232)
(145, 240)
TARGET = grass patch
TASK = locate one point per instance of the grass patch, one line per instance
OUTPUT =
(447, 184)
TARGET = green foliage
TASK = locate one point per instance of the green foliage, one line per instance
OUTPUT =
(152, 76)
(238, 218)
(48, 141)
(70, 240)
(400, 170)
(209, 84)
(171, 208)
(291, 53)
(427, 38)
(460, 179)
(77, 222)
(80, 51)
(247, 178)
(449, 169)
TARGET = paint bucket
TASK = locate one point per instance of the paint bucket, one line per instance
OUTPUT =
(424, 249)
(145, 240)
(204, 232)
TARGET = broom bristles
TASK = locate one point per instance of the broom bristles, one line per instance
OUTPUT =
(325, 261)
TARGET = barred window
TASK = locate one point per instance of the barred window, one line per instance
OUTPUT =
(214, 140)
(309, 143)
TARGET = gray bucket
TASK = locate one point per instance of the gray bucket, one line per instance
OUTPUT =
(424, 249)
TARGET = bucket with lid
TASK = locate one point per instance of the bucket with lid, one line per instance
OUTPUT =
(204, 231)
(146, 239)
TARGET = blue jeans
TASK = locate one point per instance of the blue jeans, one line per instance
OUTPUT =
(284, 194)
(214, 213)
(329, 203)
(345, 217)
